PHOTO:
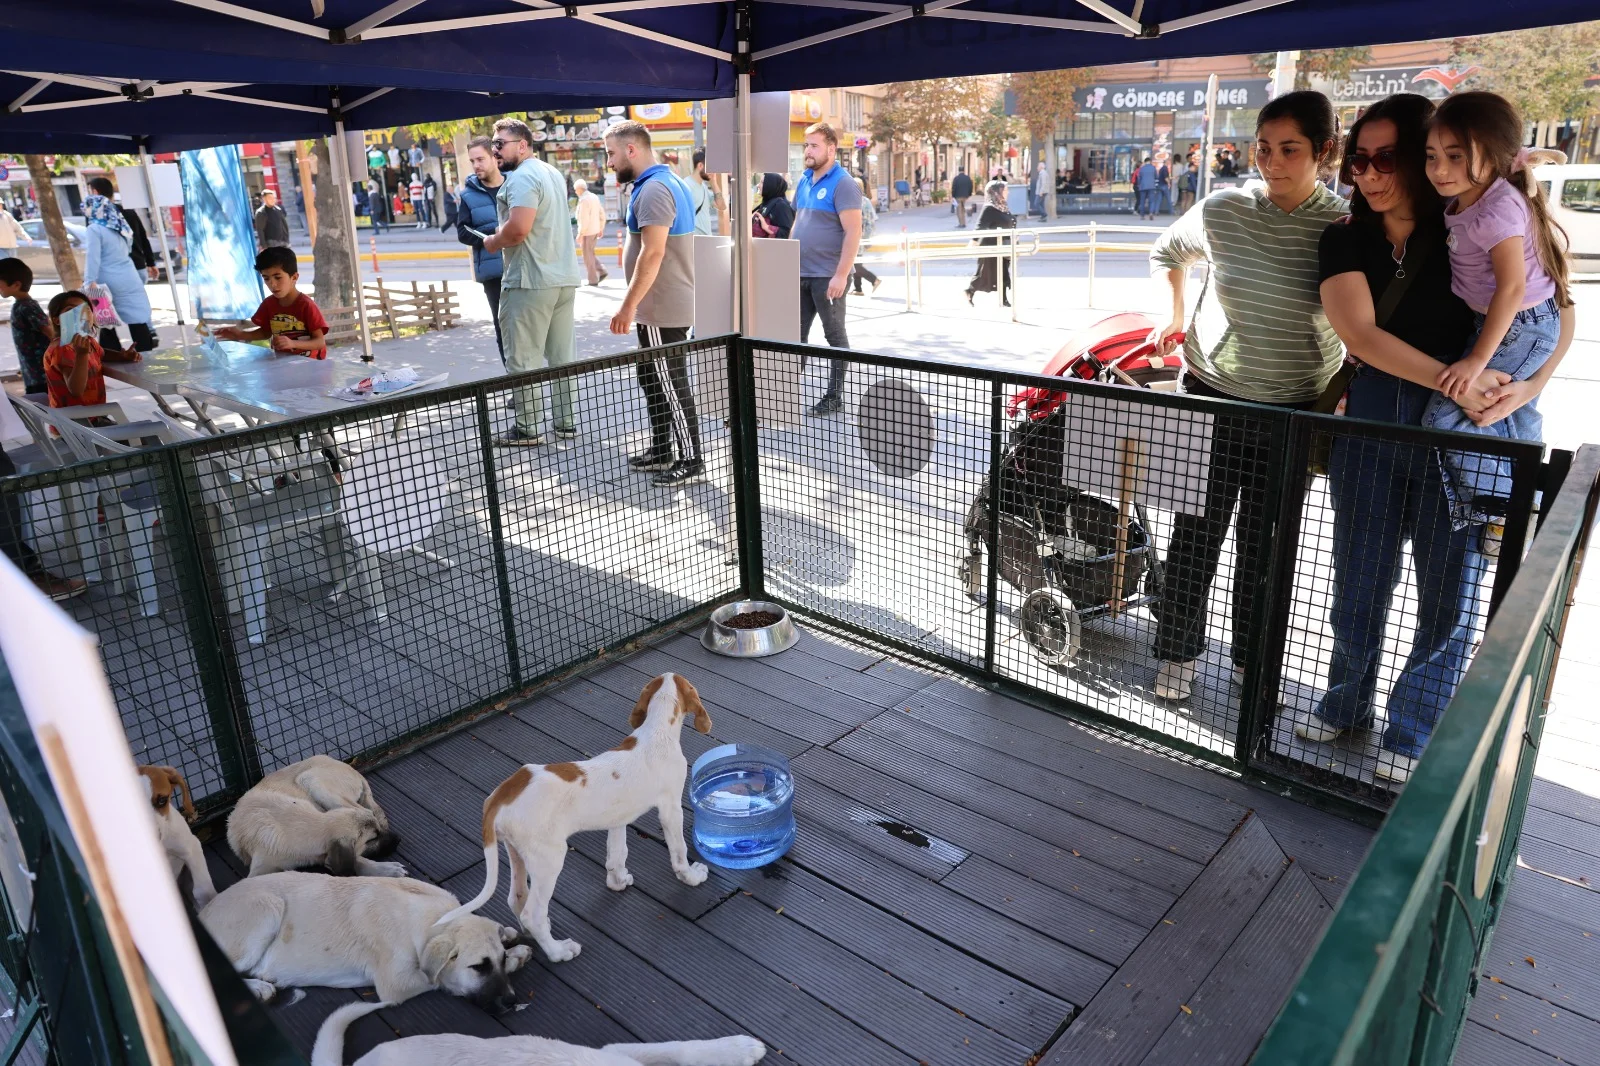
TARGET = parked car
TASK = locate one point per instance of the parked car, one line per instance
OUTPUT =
(1574, 192)
(35, 249)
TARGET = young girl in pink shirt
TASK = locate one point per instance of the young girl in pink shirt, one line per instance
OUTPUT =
(1508, 261)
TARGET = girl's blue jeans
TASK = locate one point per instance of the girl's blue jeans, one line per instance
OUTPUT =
(1385, 495)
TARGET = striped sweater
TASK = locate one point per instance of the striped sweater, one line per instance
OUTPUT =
(1258, 331)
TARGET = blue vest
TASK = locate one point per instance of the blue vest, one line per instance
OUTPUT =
(683, 218)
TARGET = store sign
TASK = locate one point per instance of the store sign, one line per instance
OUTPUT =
(804, 108)
(570, 127)
(653, 115)
(1371, 85)
(1170, 96)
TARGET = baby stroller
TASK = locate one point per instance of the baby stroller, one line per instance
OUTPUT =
(1058, 545)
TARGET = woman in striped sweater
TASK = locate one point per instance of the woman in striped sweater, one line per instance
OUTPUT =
(1258, 333)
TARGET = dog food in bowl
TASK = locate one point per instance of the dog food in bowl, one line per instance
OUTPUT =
(743, 799)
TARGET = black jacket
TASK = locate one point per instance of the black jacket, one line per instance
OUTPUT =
(961, 187)
(272, 225)
(143, 256)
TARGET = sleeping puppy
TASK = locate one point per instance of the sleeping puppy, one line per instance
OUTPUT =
(301, 928)
(537, 808)
(320, 813)
(457, 1050)
(174, 810)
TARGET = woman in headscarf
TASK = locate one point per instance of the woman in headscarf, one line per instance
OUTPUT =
(996, 215)
(108, 266)
(774, 215)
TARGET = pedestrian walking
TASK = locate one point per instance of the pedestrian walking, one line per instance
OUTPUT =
(1164, 187)
(417, 198)
(108, 270)
(539, 279)
(591, 215)
(869, 223)
(11, 231)
(827, 224)
(774, 215)
(430, 193)
(272, 224)
(961, 192)
(1189, 188)
(1037, 192)
(994, 271)
(477, 211)
(1145, 189)
(707, 200)
(659, 304)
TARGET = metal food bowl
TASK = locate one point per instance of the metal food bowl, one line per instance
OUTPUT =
(725, 639)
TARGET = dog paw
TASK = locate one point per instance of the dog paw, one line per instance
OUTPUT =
(518, 957)
(262, 990)
(693, 874)
(388, 869)
(747, 1050)
(562, 950)
(617, 880)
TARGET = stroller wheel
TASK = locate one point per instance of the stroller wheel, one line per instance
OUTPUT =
(970, 572)
(1049, 623)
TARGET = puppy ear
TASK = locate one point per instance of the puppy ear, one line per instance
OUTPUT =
(149, 785)
(181, 787)
(436, 955)
(641, 710)
(341, 859)
(689, 700)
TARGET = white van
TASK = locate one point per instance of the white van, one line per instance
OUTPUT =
(1574, 192)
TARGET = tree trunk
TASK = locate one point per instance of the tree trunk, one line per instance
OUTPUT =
(1050, 170)
(334, 280)
(55, 229)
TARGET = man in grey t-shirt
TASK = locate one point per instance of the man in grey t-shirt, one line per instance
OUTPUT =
(659, 265)
(539, 281)
(827, 223)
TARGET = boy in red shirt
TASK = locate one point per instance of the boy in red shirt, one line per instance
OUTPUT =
(288, 316)
(72, 365)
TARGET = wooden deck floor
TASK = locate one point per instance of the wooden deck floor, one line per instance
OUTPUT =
(974, 881)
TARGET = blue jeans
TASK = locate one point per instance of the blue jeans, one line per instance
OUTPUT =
(1145, 203)
(1479, 486)
(1385, 494)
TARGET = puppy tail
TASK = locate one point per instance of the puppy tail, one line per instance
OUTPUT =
(329, 1049)
(491, 877)
(727, 1051)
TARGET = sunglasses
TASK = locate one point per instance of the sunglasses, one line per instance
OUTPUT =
(1384, 162)
(501, 142)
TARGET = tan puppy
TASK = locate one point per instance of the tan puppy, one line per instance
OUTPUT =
(174, 811)
(300, 928)
(318, 812)
(454, 1049)
(537, 808)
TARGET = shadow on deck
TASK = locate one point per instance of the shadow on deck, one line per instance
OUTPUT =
(974, 881)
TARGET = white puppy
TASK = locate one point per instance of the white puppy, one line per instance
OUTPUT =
(301, 928)
(317, 812)
(537, 808)
(453, 1049)
(174, 810)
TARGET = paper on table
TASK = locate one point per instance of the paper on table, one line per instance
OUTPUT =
(386, 383)
(57, 672)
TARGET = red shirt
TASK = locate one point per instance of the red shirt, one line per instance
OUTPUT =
(296, 321)
(58, 363)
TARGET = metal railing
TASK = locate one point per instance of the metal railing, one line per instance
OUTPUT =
(912, 250)
(356, 584)
(1397, 967)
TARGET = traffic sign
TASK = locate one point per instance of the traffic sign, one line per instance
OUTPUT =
(862, 142)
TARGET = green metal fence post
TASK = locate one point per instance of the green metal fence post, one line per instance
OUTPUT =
(491, 483)
(206, 613)
(744, 430)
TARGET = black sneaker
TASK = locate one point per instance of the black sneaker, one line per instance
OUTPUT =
(652, 460)
(516, 437)
(566, 434)
(828, 405)
(683, 472)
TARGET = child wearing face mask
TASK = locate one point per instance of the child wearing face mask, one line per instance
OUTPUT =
(1508, 261)
(72, 365)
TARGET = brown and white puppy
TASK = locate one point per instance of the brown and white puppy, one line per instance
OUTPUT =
(317, 812)
(174, 811)
(537, 808)
(300, 928)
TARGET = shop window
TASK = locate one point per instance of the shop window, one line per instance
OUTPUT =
(1188, 123)
(1102, 127)
(1122, 125)
(1144, 125)
(855, 111)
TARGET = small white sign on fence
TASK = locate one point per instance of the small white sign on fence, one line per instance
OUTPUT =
(1173, 448)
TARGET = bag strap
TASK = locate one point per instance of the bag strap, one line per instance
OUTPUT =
(1394, 292)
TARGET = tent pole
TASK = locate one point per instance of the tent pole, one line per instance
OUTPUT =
(739, 201)
(161, 229)
(340, 159)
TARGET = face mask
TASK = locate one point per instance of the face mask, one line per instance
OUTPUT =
(74, 321)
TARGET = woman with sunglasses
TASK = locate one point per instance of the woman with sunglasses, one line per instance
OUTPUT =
(1386, 291)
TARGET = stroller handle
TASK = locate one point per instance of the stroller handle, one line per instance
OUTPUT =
(1042, 403)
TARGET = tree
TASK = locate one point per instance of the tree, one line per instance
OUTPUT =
(55, 228)
(335, 280)
(1330, 64)
(1044, 97)
(1542, 72)
(935, 110)
(995, 130)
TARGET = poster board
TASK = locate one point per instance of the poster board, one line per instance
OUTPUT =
(769, 134)
(1174, 446)
(55, 665)
(774, 313)
(164, 176)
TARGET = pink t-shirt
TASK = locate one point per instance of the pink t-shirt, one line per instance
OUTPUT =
(1500, 212)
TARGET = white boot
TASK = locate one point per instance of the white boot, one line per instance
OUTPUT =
(1313, 728)
(1394, 767)
(1174, 680)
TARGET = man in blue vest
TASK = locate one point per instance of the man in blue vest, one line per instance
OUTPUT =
(827, 223)
(659, 304)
